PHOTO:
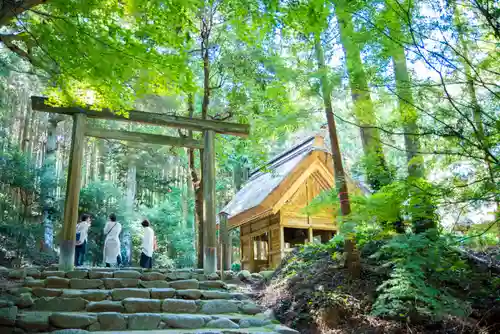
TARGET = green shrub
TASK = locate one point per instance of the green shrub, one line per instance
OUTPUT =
(423, 269)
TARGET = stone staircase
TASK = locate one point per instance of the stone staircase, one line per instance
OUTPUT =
(129, 300)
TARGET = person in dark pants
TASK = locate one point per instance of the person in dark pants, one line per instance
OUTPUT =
(147, 246)
(82, 231)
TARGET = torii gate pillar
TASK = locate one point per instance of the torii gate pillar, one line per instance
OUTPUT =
(67, 247)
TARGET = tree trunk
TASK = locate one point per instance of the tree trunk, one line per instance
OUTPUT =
(422, 219)
(102, 159)
(352, 255)
(26, 126)
(477, 110)
(198, 205)
(93, 161)
(130, 201)
(377, 172)
(48, 193)
(197, 188)
(34, 137)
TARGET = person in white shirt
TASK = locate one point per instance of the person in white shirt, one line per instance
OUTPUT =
(82, 232)
(112, 244)
(148, 241)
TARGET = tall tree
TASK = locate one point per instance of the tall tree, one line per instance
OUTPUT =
(377, 171)
(407, 111)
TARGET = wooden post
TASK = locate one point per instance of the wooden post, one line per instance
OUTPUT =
(209, 211)
(310, 235)
(225, 243)
(67, 253)
(282, 242)
(258, 242)
(251, 265)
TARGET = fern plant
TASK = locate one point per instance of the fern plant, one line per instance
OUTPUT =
(423, 270)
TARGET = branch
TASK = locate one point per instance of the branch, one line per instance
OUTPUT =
(9, 39)
(11, 9)
(218, 117)
(489, 15)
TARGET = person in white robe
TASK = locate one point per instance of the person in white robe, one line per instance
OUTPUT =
(148, 245)
(112, 245)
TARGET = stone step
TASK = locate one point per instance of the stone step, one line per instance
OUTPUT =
(256, 330)
(20, 295)
(153, 293)
(114, 321)
(269, 329)
(99, 273)
(55, 282)
(128, 301)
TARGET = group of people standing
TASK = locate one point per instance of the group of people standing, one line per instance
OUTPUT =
(112, 245)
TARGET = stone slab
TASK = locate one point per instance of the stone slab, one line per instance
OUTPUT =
(250, 308)
(143, 321)
(8, 315)
(185, 321)
(185, 284)
(284, 330)
(70, 331)
(254, 322)
(24, 300)
(19, 291)
(218, 306)
(33, 272)
(34, 283)
(96, 274)
(179, 306)
(176, 275)
(72, 320)
(207, 294)
(5, 303)
(57, 282)
(60, 304)
(53, 273)
(154, 284)
(86, 283)
(120, 294)
(95, 327)
(113, 283)
(127, 274)
(162, 293)
(105, 306)
(154, 276)
(33, 321)
(189, 294)
(90, 295)
(142, 305)
(16, 274)
(222, 323)
(212, 285)
(81, 274)
(112, 321)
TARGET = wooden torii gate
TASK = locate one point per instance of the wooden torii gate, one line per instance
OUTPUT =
(80, 130)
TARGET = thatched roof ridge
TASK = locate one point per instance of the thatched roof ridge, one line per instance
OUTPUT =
(265, 179)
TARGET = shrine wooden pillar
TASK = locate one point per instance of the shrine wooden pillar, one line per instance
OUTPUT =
(225, 243)
(310, 235)
(209, 209)
(282, 242)
(73, 184)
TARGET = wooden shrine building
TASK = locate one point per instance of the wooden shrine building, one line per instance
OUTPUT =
(269, 209)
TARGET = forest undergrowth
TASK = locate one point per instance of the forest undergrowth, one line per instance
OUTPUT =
(409, 283)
